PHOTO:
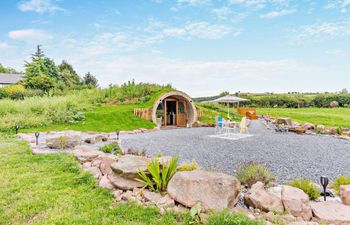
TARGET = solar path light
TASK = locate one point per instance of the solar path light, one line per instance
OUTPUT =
(37, 138)
(324, 182)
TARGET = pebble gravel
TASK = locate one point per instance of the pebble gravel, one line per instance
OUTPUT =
(288, 155)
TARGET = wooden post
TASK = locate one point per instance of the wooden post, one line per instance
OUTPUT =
(165, 113)
(176, 113)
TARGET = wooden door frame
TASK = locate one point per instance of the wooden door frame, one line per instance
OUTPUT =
(176, 111)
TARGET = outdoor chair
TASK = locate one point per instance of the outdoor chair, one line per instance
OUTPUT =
(243, 128)
(219, 125)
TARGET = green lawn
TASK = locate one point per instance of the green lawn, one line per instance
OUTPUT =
(107, 118)
(339, 117)
(212, 110)
(51, 189)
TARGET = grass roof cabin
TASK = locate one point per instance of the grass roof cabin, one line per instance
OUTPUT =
(174, 108)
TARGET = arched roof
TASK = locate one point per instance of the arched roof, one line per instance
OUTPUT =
(192, 112)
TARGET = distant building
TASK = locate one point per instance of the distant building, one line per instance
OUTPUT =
(8, 79)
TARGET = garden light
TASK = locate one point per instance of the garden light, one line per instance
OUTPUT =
(324, 182)
(118, 133)
(17, 128)
(37, 138)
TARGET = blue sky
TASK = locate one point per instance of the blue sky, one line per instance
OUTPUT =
(199, 46)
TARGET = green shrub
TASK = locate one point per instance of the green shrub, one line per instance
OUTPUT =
(250, 173)
(160, 174)
(188, 166)
(15, 91)
(341, 180)
(228, 218)
(307, 186)
(111, 148)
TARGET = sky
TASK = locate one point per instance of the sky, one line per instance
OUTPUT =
(202, 47)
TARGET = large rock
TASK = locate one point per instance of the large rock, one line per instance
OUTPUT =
(284, 121)
(96, 173)
(106, 161)
(296, 202)
(123, 183)
(63, 142)
(128, 166)
(331, 212)
(86, 153)
(259, 198)
(344, 193)
(106, 183)
(212, 190)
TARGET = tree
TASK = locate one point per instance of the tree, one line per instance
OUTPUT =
(68, 74)
(42, 82)
(41, 69)
(344, 91)
(3, 69)
(224, 93)
(90, 80)
(38, 54)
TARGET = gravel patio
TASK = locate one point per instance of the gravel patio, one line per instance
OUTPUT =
(287, 155)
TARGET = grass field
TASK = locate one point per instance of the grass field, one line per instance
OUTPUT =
(51, 189)
(107, 118)
(338, 117)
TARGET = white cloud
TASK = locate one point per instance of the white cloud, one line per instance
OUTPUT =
(183, 3)
(336, 52)
(341, 5)
(40, 6)
(202, 30)
(200, 78)
(205, 30)
(30, 35)
(258, 4)
(223, 12)
(5, 46)
(322, 31)
(275, 14)
(193, 2)
(156, 32)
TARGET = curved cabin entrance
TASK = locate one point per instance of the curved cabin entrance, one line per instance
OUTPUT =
(172, 112)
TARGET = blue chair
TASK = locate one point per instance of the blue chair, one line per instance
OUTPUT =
(219, 125)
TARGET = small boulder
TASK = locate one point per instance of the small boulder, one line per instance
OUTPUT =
(303, 223)
(259, 198)
(284, 121)
(296, 202)
(86, 153)
(320, 129)
(166, 202)
(118, 195)
(332, 131)
(63, 142)
(151, 196)
(308, 126)
(334, 104)
(128, 166)
(331, 212)
(123, 183)
(98, 138)
(213, 190)
(344, 193)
